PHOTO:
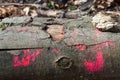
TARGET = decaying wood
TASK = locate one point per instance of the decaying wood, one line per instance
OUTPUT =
(56, 31)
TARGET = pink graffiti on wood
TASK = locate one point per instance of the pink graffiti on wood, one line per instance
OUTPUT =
(104, 45)
(23, 29)
(109, 44)
(98, 46)
(27, 58)
(55, 50)
(97, 65)
(81, 47)
(97, 34)
(94, 66)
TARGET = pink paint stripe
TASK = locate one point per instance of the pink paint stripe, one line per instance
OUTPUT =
(96, 65)
(55, 50)
(81, 47)
(27, 58)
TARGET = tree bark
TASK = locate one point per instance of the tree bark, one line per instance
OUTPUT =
(83, 54)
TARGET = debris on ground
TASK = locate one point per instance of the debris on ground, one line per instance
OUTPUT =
(65, 9)
(107, 21)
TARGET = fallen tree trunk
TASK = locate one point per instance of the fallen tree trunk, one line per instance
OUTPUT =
(80, 53)
(97, 62)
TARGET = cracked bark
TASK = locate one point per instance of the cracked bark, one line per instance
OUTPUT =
(27, 33)
(84, 53)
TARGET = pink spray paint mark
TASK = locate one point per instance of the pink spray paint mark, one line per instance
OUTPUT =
(109, 43)
(55, 50)
(24, 29)
(94, 66)
(27, 58)
(97, 33)
(104, 45)
(35, 54)
(81, 47)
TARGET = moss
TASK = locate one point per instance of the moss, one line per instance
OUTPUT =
(50, 5)
(1, 26)
(5, 25)
(72, 7)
